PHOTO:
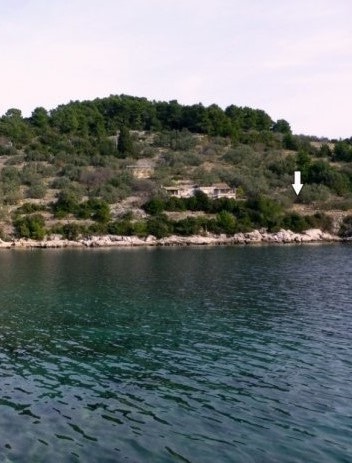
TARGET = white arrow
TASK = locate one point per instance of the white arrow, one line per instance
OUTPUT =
(297, 186)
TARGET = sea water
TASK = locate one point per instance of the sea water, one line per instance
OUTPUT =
(234, 354)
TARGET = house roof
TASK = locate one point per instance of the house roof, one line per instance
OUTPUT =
(221, 186)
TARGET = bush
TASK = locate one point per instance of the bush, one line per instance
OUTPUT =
(31, 226)
(110, 194)
(37, 190)
(10, 175)
(342, 151)
(34, 155)
(29, 208)
(71, 231)
(188, 226)
(176, 140)
(346, 227)
(320, 220)
(295, 222)
(121, 228)
(314, 193)
(66, 204)
(199, 202)
(264, 212)
(97, 228)
(155, 206)
(8, 151)
(11, 194)
(95, 209)
(100, 210)
(226, 222)
(159, 226)
(241, 155)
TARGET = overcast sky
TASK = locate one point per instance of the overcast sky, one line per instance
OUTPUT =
(292, 58)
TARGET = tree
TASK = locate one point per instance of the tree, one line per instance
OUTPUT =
(282, 126)
(125, 143)
(64, 118)
(325, 151)
(15, 127)
(303, 162)
(40, 118)
(290, 142)
(342, 151)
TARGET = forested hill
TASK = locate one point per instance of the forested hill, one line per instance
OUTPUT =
(103, 116)
(96, 166)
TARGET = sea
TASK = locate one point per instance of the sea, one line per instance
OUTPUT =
(236, 354)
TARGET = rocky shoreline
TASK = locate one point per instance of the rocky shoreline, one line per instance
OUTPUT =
(108, 241)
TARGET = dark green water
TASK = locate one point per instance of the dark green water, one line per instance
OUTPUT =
(177, 355)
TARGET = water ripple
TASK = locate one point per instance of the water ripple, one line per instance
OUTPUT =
(189, 355)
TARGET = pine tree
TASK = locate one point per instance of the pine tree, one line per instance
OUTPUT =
(125, 143)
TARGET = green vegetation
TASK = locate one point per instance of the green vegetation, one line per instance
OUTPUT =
(346, 227)
(125, 143)
(79, 168)
(234, 216)
(32, 226)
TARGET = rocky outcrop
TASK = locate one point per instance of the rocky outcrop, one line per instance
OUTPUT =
(254, 237)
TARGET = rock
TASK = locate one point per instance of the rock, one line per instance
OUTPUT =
(254, 237)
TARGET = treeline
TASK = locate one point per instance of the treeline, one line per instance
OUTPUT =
(103, 116)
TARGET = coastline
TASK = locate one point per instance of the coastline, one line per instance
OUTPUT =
(113, 241)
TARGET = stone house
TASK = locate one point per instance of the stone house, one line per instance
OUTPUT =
(215, 191)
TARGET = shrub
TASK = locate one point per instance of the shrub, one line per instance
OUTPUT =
(226, 222)
(121, 227)
(314, 193)
(31, 226)
(320, 220)
(342, 151)
(155, 206)
(264, 212)
(346, 227)
(37, 190)
(71, 231)
(241, 155)
(95, 209)
(188, 226)
(61, 183)
(100, 210)
(7, 151)
(140, 228)
(295, 222)
(29, 208)
(66, 204)
(110, 194)
(176, 140)
(159, 226)
(97, 228)
(10, 175)
(12, 194)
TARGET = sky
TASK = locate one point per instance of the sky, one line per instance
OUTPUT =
(292, 59)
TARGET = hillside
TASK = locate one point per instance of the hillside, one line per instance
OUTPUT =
(100, 167)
